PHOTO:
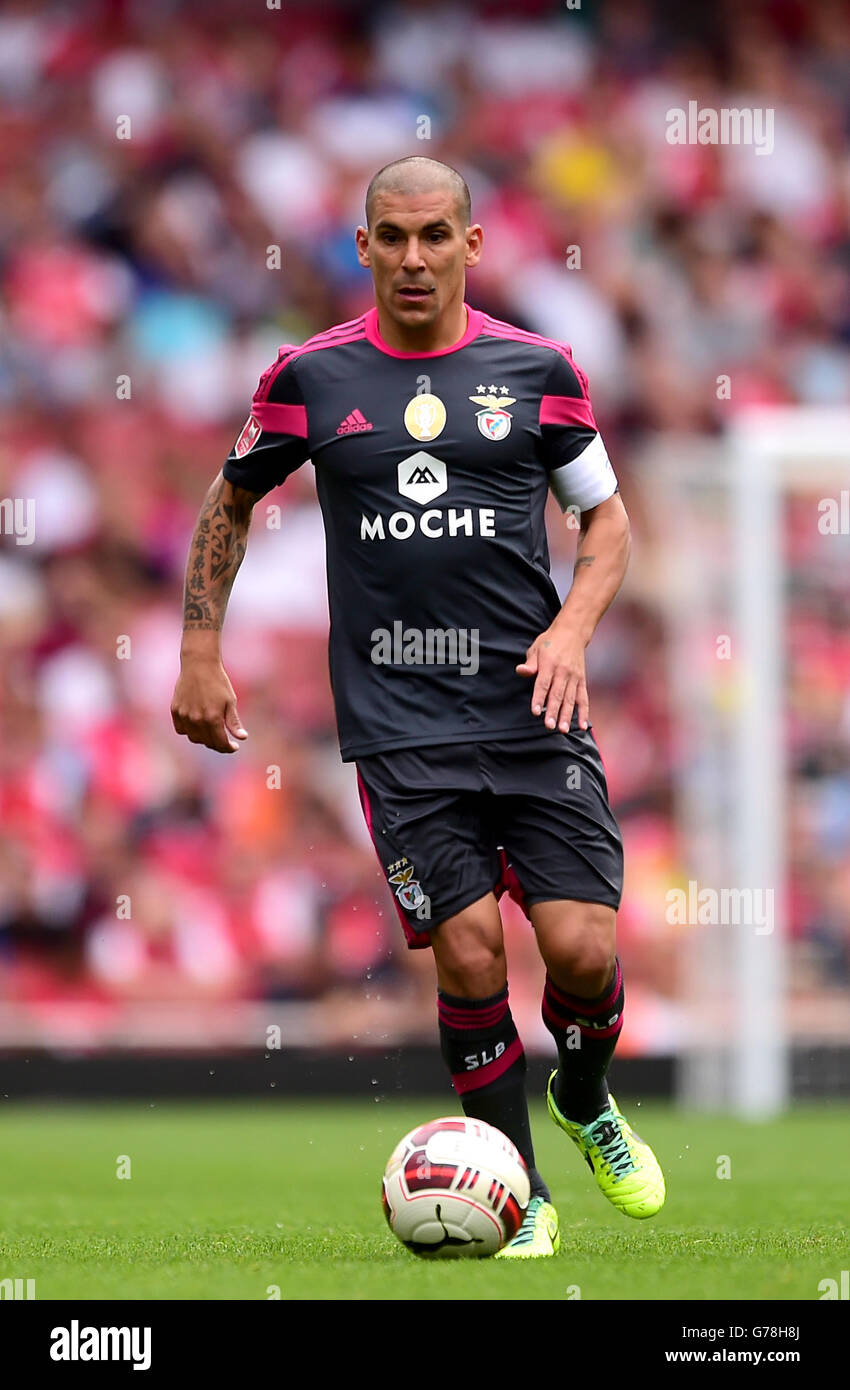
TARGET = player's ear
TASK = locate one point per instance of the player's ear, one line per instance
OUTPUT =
(361, 238)
(474, 239)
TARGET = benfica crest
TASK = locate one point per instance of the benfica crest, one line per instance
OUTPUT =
(494, 422)
(407, 889)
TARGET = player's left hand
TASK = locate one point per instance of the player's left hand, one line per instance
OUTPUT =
(556, 659)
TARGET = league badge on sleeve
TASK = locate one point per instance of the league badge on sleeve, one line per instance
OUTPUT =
(251, 432)
(494, 422)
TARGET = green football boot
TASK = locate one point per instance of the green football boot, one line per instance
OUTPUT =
(625, 1168)
(537, 1237)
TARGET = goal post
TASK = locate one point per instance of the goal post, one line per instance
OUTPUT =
(760, 1071)
(717, 509)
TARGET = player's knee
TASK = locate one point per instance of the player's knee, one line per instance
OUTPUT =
(470, 960)
(473, 973)
(581, 959)
(591, 972)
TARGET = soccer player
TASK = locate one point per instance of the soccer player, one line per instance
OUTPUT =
(458, 676)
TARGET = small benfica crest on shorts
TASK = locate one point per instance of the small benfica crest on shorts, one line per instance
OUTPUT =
(251, 432)
(407, 889)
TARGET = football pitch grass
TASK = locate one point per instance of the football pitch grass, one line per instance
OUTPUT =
(234, 1201)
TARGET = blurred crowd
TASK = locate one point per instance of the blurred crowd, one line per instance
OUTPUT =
(180, 186)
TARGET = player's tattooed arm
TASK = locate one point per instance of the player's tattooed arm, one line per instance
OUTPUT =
(203, 706)
(556, 659)
(215, 554)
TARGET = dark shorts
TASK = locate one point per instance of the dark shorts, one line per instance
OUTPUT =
(454, 822)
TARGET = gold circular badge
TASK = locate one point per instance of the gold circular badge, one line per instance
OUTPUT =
(425, 417)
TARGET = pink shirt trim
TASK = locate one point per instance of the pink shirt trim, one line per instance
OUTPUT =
(281, 419)
(500, 329)
(566, 410)
(334, 337)
(475, 322)
(337, 336)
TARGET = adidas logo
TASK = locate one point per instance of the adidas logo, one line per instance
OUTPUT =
(355, 423)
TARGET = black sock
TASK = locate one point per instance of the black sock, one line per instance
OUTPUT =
(585, 1033)
(483, 1052)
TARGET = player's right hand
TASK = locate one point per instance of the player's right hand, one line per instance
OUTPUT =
(203, 706)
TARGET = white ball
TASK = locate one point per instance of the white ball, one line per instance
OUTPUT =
(455, 1187)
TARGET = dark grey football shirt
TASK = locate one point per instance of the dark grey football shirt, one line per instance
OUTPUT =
(432, 472)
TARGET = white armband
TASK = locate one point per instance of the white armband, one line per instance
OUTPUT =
(585, 482)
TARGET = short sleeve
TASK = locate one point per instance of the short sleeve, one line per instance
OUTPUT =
(580, 472)
(273, 441)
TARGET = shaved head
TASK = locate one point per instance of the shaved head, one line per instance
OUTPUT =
(418, 174)
(419, 244)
